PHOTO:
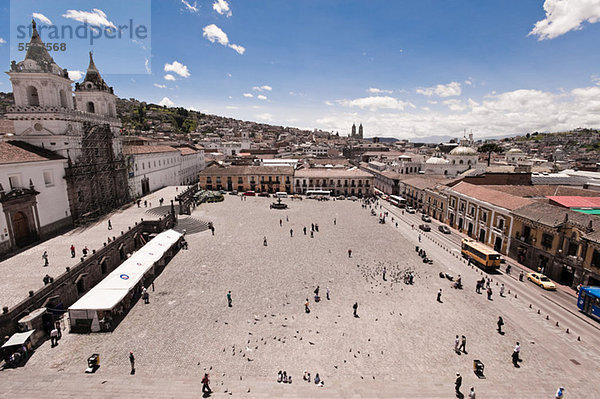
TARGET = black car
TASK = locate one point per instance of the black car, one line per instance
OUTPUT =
(425, 227)
(264, 194)
(426, 219)
(444, 229)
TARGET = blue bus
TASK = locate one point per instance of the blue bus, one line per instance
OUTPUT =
(589, 301)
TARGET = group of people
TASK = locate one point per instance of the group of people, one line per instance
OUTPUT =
(318, 381)
(458, 384)
(283, 377)
(460, 345)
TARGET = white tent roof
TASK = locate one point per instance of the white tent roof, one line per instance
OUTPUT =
(18, 339)
(110, 291)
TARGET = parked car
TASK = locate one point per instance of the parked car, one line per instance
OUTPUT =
(410, 210)
(353, 198)
(223, 192)
(264, 195)
(340, 197)
(425, 227)
(234, 192)
(541, 280)
(250, 193)
(426, 219)
(444, 229)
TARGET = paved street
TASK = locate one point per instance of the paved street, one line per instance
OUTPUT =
(25, 271)
(401, 345)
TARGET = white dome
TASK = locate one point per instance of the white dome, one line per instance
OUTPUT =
(436, 161)
(515, 151)
(463, 151)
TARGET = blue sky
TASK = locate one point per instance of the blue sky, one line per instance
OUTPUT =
(405, 69)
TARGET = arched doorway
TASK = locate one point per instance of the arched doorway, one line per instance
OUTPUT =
(90, 107)
(32, 96)
(22, 233)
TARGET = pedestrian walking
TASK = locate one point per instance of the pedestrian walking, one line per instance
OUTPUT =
(145, 203)
(153, 284)
(316, 227)
(439, 295)
(286, 219)
(472, 393)
(229, 298)
(306, 306)
(85, 251)
(132, 362)
(280, 222)
(515, 355)
(502, 290)
(45, 258)
(145, 295)
(327, 293)
(312, 227)
(456, 345)
(521, 276)
(312, 234)
(419, 237)
(72, 251)
(518, 351)
(53, 337)
(109, 225)
(304, 229)
(334, 221)
(560, 393)
(205, 387)
(384, 271)
(291, 233)
(139, 202)
(489, 293)
(457, 384)
(500, 324)
(265, 241)
(355, 308)
(317, 291)
(349, 253)
(463, 344)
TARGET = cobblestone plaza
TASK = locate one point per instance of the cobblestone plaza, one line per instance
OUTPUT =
(401, 345)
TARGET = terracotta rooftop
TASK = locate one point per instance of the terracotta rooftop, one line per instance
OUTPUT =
(147, 149)
(18, 152)
(551, 215)
(493, 197)
(187, 150)
(575, 201)
(543, 190)
(424, 182)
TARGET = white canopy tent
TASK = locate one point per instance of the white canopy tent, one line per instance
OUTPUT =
(107, 294)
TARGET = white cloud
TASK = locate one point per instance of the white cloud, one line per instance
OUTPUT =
(166, 101)
(75, 75)
(222, 7)
(455, 105)
(160, 86)
(375, 103)
(329, 103)
(169, 77)
(178, 68)
(2, 41)
(231, 107)
(468, 82)
(249, 95)
(375, 90)
(563, 16)
(517, 111)
(239, 49)
(95, 18)
(447, 90)
(214, 34)
(262, 88)
(147, 65)
(229, 75)
(261, 97)
(190, 7)
(42, 18)
(267, 117)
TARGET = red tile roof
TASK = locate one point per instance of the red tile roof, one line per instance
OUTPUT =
(13, 154)
(147, 149)
(493, 197)
(575, 201)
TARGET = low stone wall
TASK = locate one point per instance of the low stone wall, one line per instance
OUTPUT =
(79, 279)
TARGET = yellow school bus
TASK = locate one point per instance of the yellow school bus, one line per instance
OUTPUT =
(480, 254)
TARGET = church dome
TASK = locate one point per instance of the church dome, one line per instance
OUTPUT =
(463, 151)
(436, 161)
(515, 151)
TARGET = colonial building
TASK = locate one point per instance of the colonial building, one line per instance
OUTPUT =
(151, 167)
(386, 181)
(269, 179)
(483, 214)
(33, 195)
(48, 114)
(558, 242)
(338, 181)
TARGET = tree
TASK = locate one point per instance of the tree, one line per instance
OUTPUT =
(489, 148)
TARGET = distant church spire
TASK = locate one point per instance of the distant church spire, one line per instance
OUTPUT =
(360, 131)
(353, 131)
